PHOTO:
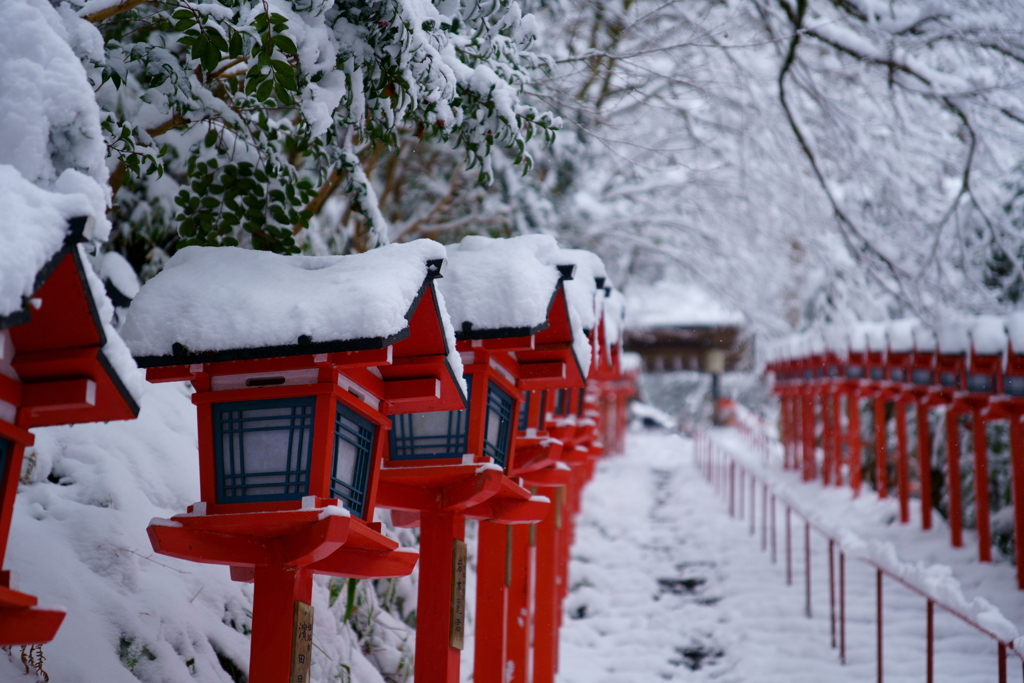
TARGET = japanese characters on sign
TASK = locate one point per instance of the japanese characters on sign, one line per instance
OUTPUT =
(302, 642)
(458, 615)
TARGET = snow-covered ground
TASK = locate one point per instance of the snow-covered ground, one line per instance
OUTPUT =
(666, 585)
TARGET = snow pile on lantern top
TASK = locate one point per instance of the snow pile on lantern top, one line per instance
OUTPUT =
(675, 304)
(33, 226)
(227, 298)
(582, 289)
(494, 284)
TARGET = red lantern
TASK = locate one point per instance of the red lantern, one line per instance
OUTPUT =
(297, 364)
(57, 366)
(515, 334)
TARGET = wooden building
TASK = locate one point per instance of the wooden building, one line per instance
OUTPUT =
(676, 326)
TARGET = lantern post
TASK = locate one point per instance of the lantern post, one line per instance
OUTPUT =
(950, 362)
(515, 333)
(57, 366)
(1011, 405)
(297, 364)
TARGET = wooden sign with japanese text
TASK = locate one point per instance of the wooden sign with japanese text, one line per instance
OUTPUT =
(458, 614)
(302, 642)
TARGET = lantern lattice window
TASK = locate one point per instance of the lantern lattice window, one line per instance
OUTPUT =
(922, 376)
(497, 429)
(424, 436)
(263, 449)
(980, 383)
(524, 412)
(353, 450)
(1013, 385)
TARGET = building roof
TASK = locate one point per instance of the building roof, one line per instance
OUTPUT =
(675, 304)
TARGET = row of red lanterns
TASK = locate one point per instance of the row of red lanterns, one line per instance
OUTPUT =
(328, 387)
(967, 368)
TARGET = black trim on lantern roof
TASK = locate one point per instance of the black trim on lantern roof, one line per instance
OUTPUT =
(304, 345)
(75, 234)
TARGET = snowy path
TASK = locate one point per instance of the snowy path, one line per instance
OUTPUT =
(665, 585)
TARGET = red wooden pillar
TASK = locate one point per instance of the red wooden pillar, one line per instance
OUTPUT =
(837, 403)
(808, 424)
(902, 462)
(277, 590)
(924, 460)
(953, 474)
(981, 503)
(519, 617)
(1017, 465)
(495, 565)
(545, 623)
(827, 429)
(436, 660)
(784, 428)
(881, 438)
(853, 405)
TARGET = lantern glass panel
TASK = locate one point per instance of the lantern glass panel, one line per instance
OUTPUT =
(579, 403)
(543, 408)
(922, 376)
(5, 446)
(560, 400)
(497, 428)
(263, 449)
(947, 379)
(424, 436)
(979, 383)
(877, 373)
(833, 371)
(353, 451)
(1014, 385)
(854, 371)
(524, 412)
(896, 375)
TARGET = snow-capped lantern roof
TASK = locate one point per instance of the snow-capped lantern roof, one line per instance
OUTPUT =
(988, 335)
(227, 303)
(504, 286)
(876, 337)
(515, 287)
(837, 340)
(1015, 331)
(51, 300)
(925, 340)
(952, 338)
(586, 291)
(815, 343)
(858, 336)
(900, 334)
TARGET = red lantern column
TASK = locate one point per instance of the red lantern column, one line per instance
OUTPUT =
(856, 454)
(546, 601)
(828, 422)
(436, 660)
(902, 463)
(981, 503)
(1017, 462)
(495, 566)
(519, 618)
(881, 437)
(277, 590)
(924, 460)
(953, 465)
(808, 424)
